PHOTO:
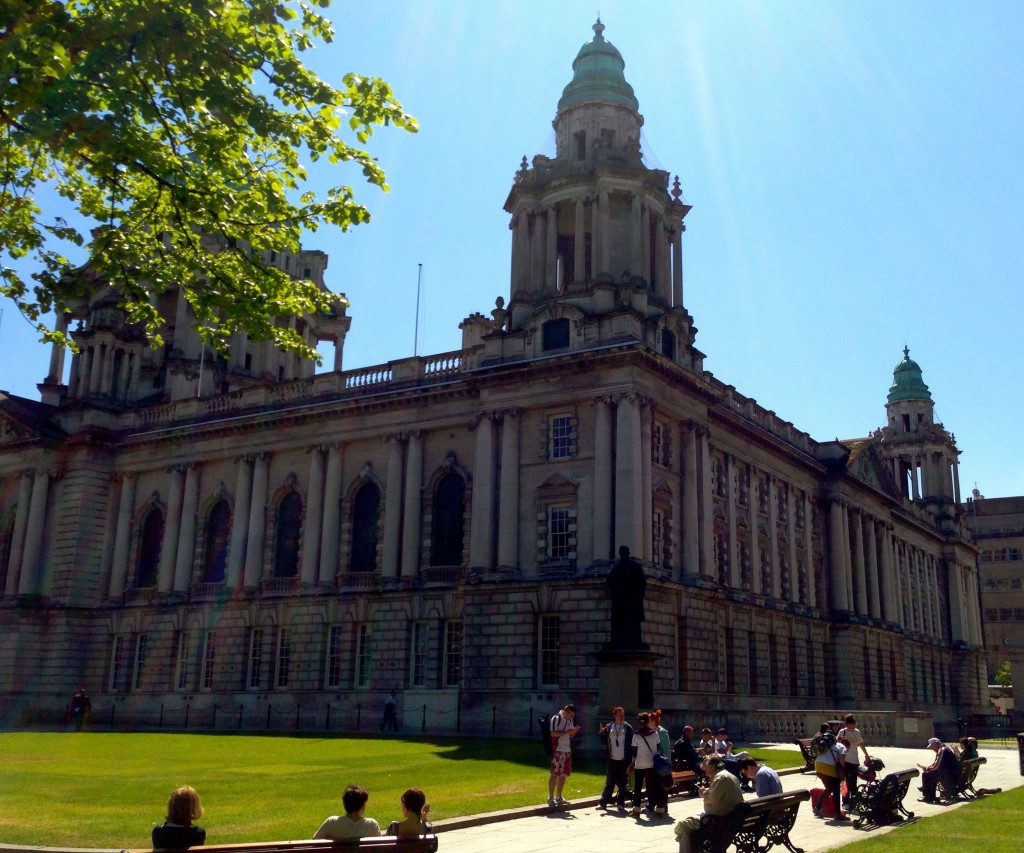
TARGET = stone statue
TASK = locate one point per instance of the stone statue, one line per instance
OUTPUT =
(626, 584)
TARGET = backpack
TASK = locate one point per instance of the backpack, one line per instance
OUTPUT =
(823, 742)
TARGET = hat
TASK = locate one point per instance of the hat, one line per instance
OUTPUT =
(934, 741)
(688, 729)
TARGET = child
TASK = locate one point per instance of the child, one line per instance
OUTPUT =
(183, 807)
(414, 816)
(353, 824)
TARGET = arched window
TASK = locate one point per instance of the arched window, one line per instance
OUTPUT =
(365, 512)
(449, 506)
(289, 523)
(218, 531)
(149, 549)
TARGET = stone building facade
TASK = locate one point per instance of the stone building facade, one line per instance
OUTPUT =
(237, 533)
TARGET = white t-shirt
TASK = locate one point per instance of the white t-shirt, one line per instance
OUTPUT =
(831, 756)
(341, 826)
(561, 724)
(645, 754)
(855, 738)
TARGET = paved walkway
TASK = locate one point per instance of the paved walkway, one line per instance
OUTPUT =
(586, 830)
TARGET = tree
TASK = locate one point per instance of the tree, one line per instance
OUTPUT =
(176, 127)
(1003, 675)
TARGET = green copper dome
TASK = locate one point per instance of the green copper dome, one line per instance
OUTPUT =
(597, 75)
(907, 383)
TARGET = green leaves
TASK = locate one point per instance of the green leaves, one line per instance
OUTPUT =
(179, 128)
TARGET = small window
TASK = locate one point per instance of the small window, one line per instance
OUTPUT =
(548, 644)
(255, 658)
(668, 344)
(284, 657)
(580, 144)
(334, 657)
(209, 659)
(560, 534)
(181, 679)
(453, 653)
(116, 663)
(141, 647)
(363, 656)
(418, 655)
(555, 334)
(561, 436)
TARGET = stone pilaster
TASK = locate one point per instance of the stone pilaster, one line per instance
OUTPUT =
(413, 506)
(239, 522)
(314, 517)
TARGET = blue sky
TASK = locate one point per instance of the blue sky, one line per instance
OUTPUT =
(854, 169)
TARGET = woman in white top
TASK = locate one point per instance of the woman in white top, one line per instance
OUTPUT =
(647, 744)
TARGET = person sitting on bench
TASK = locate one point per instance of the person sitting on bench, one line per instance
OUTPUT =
(720, 798)
(352, 824)
(945, 769)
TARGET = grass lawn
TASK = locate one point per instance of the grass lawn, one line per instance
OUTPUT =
(108, 790)
(991, 824)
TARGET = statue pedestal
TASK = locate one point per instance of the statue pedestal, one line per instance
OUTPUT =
(626, 678)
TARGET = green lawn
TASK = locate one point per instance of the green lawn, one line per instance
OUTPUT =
(991, 824)
(108, 790)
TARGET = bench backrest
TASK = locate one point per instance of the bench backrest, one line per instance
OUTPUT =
(380, 844)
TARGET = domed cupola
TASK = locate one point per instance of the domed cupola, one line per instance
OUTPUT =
(907, 383)
(597, 75)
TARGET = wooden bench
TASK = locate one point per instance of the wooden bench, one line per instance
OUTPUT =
(381, 844)
(807, 753)
(684, 782)
(881, 802)
(754, 826)
(969, 768)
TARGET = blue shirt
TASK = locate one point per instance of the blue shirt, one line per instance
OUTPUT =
(767, 781)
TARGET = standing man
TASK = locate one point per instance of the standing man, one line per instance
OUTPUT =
(720, 798)
(562, 730)
(617, 737)
(78, 707)
(390, 718)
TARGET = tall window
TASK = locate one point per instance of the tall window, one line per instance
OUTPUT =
(364, 656)
(218, 531)
(447, 528)
(561, 532)
(116, 662)
(668, 344)
(658, 536)
(209, 659)
(561, 436)
(774, 676)
(255, 658)
(181, 670)
(548, 647)
(365, 512)
(149, 549)
(289, 523)
(753, 674)
(334, 656)
(453, 653)
(418, 655)
(284, 657)
(141, 647)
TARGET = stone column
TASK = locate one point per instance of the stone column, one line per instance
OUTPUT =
(646, 485)
(15, 563)
(172, 528)
(707, 530)
(331, 517)
(973, 608)
(56, 372)
(187, 539)
(508, 497)
(755, 539)
(109, 532)
(136, 376)
(837, 562)
(663, 284)
(124, 376)
(644, 246)
(957, 610)
(96, 369)
(257, 521)
(29, 582)
(521, 260)
(551, 254)
(637, 215)
(773, 538)
(628, 475)
(933, 581)
(793, 592)
(73, 380)
(413, 506)
(956, 479)
(847, 558)
(310, 571)
(602, 546)
(481, 540)
(812, 591)
(239, 522)
(691, 552)
(603, 232)
(915, 464)
(677, 268)
(580, 243)
(871, 537)
(125, 510)
(392, 507)
(731, 508)
(860, 573)
(107, 376)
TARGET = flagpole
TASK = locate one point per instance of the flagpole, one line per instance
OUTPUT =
(416, 333)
